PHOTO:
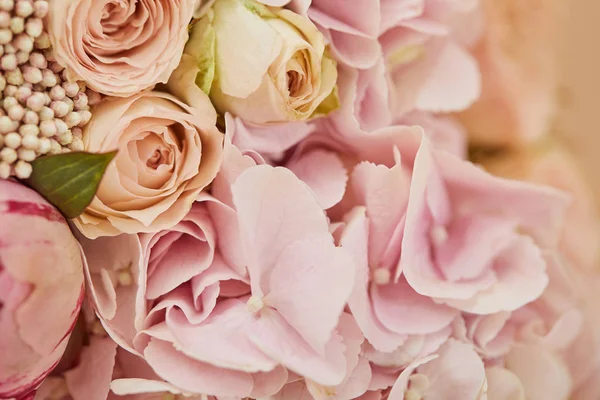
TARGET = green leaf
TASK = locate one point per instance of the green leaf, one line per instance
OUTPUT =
(259, 9)
(205, 55)
(69, 180)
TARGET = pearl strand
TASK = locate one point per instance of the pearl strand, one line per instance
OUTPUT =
(41, 111)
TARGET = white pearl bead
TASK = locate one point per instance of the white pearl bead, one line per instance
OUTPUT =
(32, 74)
(24, 9)
(8, 62)
(61, 127)
(23, 169)
(65, 138)
(24, 43)
(16, 113)
(86, 116)
(17, 25)
(29, 130)
(48, 128)
(9, 101)
(73, 119)
(55, 147)
(41, 8)
(44, 145)
(60, 108)
(34, 27)
(48, 78)
(43, 42)
(22, 94)
(5, 36)
(36, 102)
(22, 57)
(7, 5)
(8, 155)
(26, 154)
(4, 170)
(10, 90)
(57, 93)
(12, 140)
(6, 124)
(4, 19)
(71, 88)
(30, 142)
(31, 117)
(15, 77)
(46, 114)
(77, 144)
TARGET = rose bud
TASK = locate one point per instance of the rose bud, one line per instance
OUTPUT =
(41, 289)
(262, 64)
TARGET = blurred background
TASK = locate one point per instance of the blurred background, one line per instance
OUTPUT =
(578, 119)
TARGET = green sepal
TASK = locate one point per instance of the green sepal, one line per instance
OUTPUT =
(259, 9)
(69, 180)
(202, 45)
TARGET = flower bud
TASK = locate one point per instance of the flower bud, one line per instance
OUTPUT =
(42, 275)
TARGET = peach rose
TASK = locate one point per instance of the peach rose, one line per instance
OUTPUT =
(168, 153)
(119, 47)
(262, 64)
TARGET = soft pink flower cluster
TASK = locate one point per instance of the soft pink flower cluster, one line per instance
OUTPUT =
(295, 219)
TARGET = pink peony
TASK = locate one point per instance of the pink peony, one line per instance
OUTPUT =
(41, 288)
(119, 48)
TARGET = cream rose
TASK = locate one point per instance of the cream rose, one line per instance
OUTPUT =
(262, 64)
(168, 152)
(119, 47)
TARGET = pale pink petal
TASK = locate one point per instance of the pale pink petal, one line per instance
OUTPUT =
(268, 383)
(310, 286)
(521, 278)
(265, 139)
(233, 165)
(324, 172)
(91, 378)
(274, 210)
(401, 384)
(355, 240)
(456, 372)
(131, 386)
(296, 390)
(280, 341)
(221, 339)
(404, 311)
(195, 376)
(445, 133)
(358, 370)
(364, 15)
(384, 192)
(453, 85)
(393, 12)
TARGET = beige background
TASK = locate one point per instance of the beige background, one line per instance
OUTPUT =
(578, 122)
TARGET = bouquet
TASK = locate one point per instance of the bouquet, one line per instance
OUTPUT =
(290, 200)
